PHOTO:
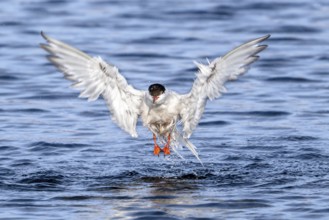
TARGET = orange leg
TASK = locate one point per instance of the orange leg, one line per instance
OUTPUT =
(157, 149)
(166, 149)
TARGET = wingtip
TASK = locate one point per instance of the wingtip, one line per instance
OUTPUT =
(44, 46)
(134, 134)
(259, 40)
(267, 36)
(44, 35)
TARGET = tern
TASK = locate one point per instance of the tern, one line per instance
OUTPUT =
(160, 109)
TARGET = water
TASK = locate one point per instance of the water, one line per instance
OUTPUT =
(264, 144)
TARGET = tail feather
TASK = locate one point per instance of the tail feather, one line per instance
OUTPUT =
(180, 141)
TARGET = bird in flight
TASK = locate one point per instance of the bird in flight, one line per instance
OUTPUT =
(161, 110)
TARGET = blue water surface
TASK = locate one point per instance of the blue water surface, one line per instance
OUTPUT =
(264, 144)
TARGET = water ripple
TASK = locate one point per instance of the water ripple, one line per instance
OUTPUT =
(291, 80)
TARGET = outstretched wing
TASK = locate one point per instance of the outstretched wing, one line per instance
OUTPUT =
(210, 80)
(94, 77)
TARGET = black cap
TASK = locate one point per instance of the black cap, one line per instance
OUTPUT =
(156, 89)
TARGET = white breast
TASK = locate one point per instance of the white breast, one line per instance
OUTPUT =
(161, 118)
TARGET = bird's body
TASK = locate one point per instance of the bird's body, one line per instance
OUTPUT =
(161, 118)
(160, 110)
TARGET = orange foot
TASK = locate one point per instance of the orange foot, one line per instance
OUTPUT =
(156, 150)
(166, 150)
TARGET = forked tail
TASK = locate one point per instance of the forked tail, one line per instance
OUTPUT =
(181, 141)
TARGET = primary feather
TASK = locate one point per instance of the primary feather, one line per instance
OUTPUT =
(94, 77)
(210, 80)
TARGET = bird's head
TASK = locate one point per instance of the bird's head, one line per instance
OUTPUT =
(157, 92)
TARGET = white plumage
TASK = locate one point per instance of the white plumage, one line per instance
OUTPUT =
(162, 112)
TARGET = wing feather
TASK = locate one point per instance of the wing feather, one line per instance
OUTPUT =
(94, 77)
(210, 80)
